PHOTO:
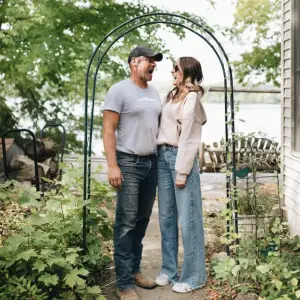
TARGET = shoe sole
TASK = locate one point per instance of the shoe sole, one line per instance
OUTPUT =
(191, 290)
(162, 284)
(183, 292)
(118, 296)
(145, 287)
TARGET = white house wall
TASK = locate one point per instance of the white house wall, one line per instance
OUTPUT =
(291, 164)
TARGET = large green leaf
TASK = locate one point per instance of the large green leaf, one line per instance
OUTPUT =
(59, 261)
(37, 220)
(49, 279)
(39, 265)
(71, 258)
(297, 293)
(73, 279)
(26, 255)
(263, 268)
(95, 290)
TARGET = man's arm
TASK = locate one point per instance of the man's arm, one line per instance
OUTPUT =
(110, 123)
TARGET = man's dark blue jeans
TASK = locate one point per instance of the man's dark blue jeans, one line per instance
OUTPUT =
(134, 207)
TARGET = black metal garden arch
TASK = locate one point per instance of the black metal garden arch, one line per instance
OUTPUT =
(98, 56)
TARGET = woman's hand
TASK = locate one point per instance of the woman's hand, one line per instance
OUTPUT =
(180, 184)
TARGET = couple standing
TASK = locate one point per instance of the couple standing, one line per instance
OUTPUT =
(146, 145)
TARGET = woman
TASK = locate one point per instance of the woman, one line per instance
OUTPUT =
(179, 192)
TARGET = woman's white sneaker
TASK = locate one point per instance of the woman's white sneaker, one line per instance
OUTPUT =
(162, 279)
(181, 287)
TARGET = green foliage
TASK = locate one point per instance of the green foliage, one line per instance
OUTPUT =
(45, 47)
(42, 258)
(254, 203)
(7, 119)
(268, 267)
(266, 260)
(258, 22)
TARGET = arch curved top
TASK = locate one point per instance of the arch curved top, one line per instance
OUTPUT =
(155, 14)
(134, 26)
(100, 58)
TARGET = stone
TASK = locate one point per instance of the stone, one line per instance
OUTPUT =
(211, 241)
(208, 231)
(221, 256)
(250, 296)
(213, 208)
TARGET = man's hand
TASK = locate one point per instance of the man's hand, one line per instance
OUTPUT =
(180, 184)
(115, 177)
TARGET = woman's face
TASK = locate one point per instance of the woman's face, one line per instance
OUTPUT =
(177, 74)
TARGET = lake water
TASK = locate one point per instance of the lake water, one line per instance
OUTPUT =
(258, 117)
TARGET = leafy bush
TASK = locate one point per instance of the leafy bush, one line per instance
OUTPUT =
(42, 257)
(249, 203)
(268, 267)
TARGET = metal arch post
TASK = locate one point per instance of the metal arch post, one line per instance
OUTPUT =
(100, 61)
(63, 140)
(37, 182)
(234, 157)
(86, 165)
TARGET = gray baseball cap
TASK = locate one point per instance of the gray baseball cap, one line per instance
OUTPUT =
(144, 51)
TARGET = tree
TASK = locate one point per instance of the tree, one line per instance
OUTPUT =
(44, 50)
(7, 119)
(258, 22)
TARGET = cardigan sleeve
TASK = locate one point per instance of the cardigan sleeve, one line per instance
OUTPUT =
(193, 116)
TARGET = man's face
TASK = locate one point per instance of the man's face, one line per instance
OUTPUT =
(144, 67)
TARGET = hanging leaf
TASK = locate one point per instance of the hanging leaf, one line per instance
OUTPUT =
(294, 282)
(235, 270)
(297, 293)
(37, 220)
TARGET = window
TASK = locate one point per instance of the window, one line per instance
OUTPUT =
(296, 80)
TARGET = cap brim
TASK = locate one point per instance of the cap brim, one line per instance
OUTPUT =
(157, 56)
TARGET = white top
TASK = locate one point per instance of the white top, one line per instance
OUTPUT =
(168, 131)
(187, 135)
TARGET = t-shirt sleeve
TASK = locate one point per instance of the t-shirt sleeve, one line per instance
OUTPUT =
(114, 99)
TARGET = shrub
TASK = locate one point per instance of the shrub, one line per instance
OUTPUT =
(41, 256)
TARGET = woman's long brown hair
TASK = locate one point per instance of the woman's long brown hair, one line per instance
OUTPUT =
(192, 76)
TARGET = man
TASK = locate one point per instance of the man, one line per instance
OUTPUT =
(130, 125)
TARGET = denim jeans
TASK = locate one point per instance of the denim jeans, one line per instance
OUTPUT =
(181, 206)
(133, 210)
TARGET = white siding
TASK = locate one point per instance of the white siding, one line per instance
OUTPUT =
(291, 164)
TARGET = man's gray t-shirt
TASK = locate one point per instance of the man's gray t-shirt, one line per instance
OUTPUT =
(139, 111)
